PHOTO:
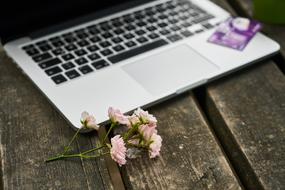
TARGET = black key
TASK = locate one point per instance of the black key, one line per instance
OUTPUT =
(175, 28)
(140, 32)
(67, 57)
(142, 39)
(57, 43)
(50, 63)
(174, 37)
(100, 64)
(130, 44)
(83, 43)
(117, 23)
(152, 20)
(162, 16)
(202, 19)
(162, 24)
(151, 28)
(141, 24)
(93, 56)
(94, 30)
(85, 69)
(45, 47)
(107, 35)
(199, 31)
(173, 21)
(153, 36)
(80, 52)
(59, 79)
(93, 48)
(137, 51)
(164, 32)
(68, 65)
(118, 31)
(81, 61)
(28, 47)
(186, 24)
(106, 52)
(105, 44)
(58, 51)
(149, 12)
(32, 51)
(54, 39)
(207, 25)
(42, 57)
(129, 36)
(95, 39)
(42, 43)
(82, 35)
(128, 18)
(53, 71)
(186, 33)
(130, 27)
(117, 40)
(118, 48)
(70, 47)
(72, 74)
(70, 39)
(105, 26)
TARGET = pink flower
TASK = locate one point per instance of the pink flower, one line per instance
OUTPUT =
(89, 121)
(154, 147)
(117, 116)
(133, 120)
(147, 131)
(118, 150)
(145, 116)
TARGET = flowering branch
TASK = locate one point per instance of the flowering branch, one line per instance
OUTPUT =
(140, 135)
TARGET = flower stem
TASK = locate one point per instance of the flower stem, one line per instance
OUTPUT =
(74, 155)
(112, 126)
(93, 149)
(71, 141)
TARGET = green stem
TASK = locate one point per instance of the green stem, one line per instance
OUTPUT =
(71, 141)
(130, 132)
(93, 149)
(95, 156)
(74, 155)
(112, 126)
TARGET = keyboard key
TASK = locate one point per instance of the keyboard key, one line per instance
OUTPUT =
(95, 39)
(68, 65)
(106, 52)
(93, 48)
(70, 39)
(174, 38)
(42, 57)
(130, 44)
(152, 20)
(107, 35)
(80, 52)
(72, 74)
(140, 32)
(142, 39)
(202, 19)
(137, 51)
(83, 43)
(151, 28)
(58, 51)
(164, 32)
(32, 51)
(53, 71)
(119, 31)
(81, 61)
(94, 30)
(57, 43)
(85, 69)
(207, 25)
(141, 24)
(93, 56)
(153, 36)
(67, 57)
(59, 79)
(70, 47)
(175, 28)
(100, 64)
(130, 27)
(45, 48)
(42, 43)
(104, 44)
(28, 47)
(117, 40)
(162, 24)
(129, 36)
(50, 63)
(186, 33)
(118, 48)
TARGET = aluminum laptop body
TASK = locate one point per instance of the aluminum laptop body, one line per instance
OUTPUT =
(144, 79)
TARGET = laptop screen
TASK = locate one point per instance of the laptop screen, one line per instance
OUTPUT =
(19, 18)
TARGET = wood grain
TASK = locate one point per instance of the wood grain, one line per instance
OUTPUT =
(190, 156)
(31, 131)
(247, 112)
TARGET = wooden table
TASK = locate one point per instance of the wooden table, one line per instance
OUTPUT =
(229, 134)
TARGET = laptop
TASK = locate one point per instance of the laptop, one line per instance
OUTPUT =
(89, 55)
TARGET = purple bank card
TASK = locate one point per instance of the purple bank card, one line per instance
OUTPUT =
(235, 33)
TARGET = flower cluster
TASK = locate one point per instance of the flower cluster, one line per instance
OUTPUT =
(140, 134)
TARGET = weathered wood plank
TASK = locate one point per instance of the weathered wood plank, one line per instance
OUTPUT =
(190, 156)
(277, 32)
(247, 112)
(31, 131)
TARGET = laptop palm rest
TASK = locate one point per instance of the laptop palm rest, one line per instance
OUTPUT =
(170, 70)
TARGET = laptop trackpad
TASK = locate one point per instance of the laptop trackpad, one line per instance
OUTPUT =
(170, 70)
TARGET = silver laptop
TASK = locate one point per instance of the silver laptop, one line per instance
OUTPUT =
(89, 55)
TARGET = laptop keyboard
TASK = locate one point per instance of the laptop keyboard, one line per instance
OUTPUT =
(85, 50)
